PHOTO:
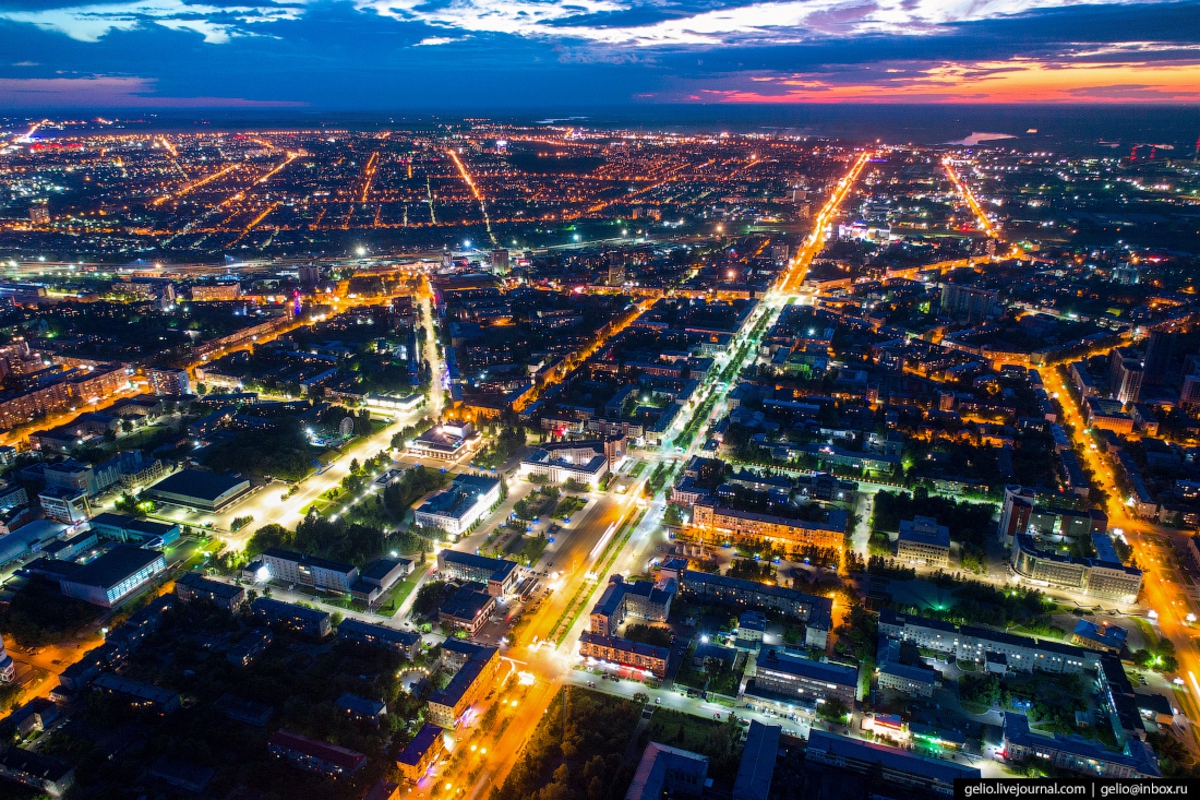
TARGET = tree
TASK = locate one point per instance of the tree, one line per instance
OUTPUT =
(269, 536)
(834, 710)
(673, 515)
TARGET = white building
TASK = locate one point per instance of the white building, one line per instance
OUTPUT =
(461, 505)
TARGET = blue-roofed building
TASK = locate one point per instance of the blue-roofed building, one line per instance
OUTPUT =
(361, 709)
(310, 621)
(782, 680)
(145, 533)
(422, 752)
(1076, 754)
(899, 768)
(460, 505)
(640, 599)
(355, 630)
(1105, 638)
(757, 767)
(497, 574)
(668, 772)
(477, 666)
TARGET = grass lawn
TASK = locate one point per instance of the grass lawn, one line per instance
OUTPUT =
(637, 470)
(401, 591)
(567, 506)
(677, 729)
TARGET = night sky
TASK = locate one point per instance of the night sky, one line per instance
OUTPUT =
(528, 54)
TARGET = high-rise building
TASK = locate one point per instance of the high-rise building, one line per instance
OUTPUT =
(39, 215)
(500, 261)
(310, 275)
(1125, 376)
(169, 381)
(616, 268)
(1015, 514)
(1158, 357)
(8, 670)
(968, 303)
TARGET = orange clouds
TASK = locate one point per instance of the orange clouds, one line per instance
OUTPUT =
(1014, 81)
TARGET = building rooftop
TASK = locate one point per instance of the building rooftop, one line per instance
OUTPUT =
(500, 568)
(924, 530)
(197, 483)
(468, 602)
(266, 605)
(820, 608)
(322, 751)
(1108, 635)
(777, 661)
(649, 781)
(142, 691)
(415, 750)
(114, 566)
(382, 631)
(625, 645)
(215, 588)
(757, 767)
(313, 561)
(841, 748)
(27, 762)
(142, 526)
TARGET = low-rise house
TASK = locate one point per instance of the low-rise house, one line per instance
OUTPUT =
(313, 755)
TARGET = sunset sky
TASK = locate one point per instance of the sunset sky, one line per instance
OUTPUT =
(530, 54)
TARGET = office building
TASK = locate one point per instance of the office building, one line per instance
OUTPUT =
(143, 532)
(461, 505)
(68, 506)
(468, 609)
(1103, 577)
(313, 755)
(449, 441)
(1104, 638)
(289, 567)
(923, 541)
(377, 578)
(497, 574)
(584, 462)
(114, 576)
(899, 768)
